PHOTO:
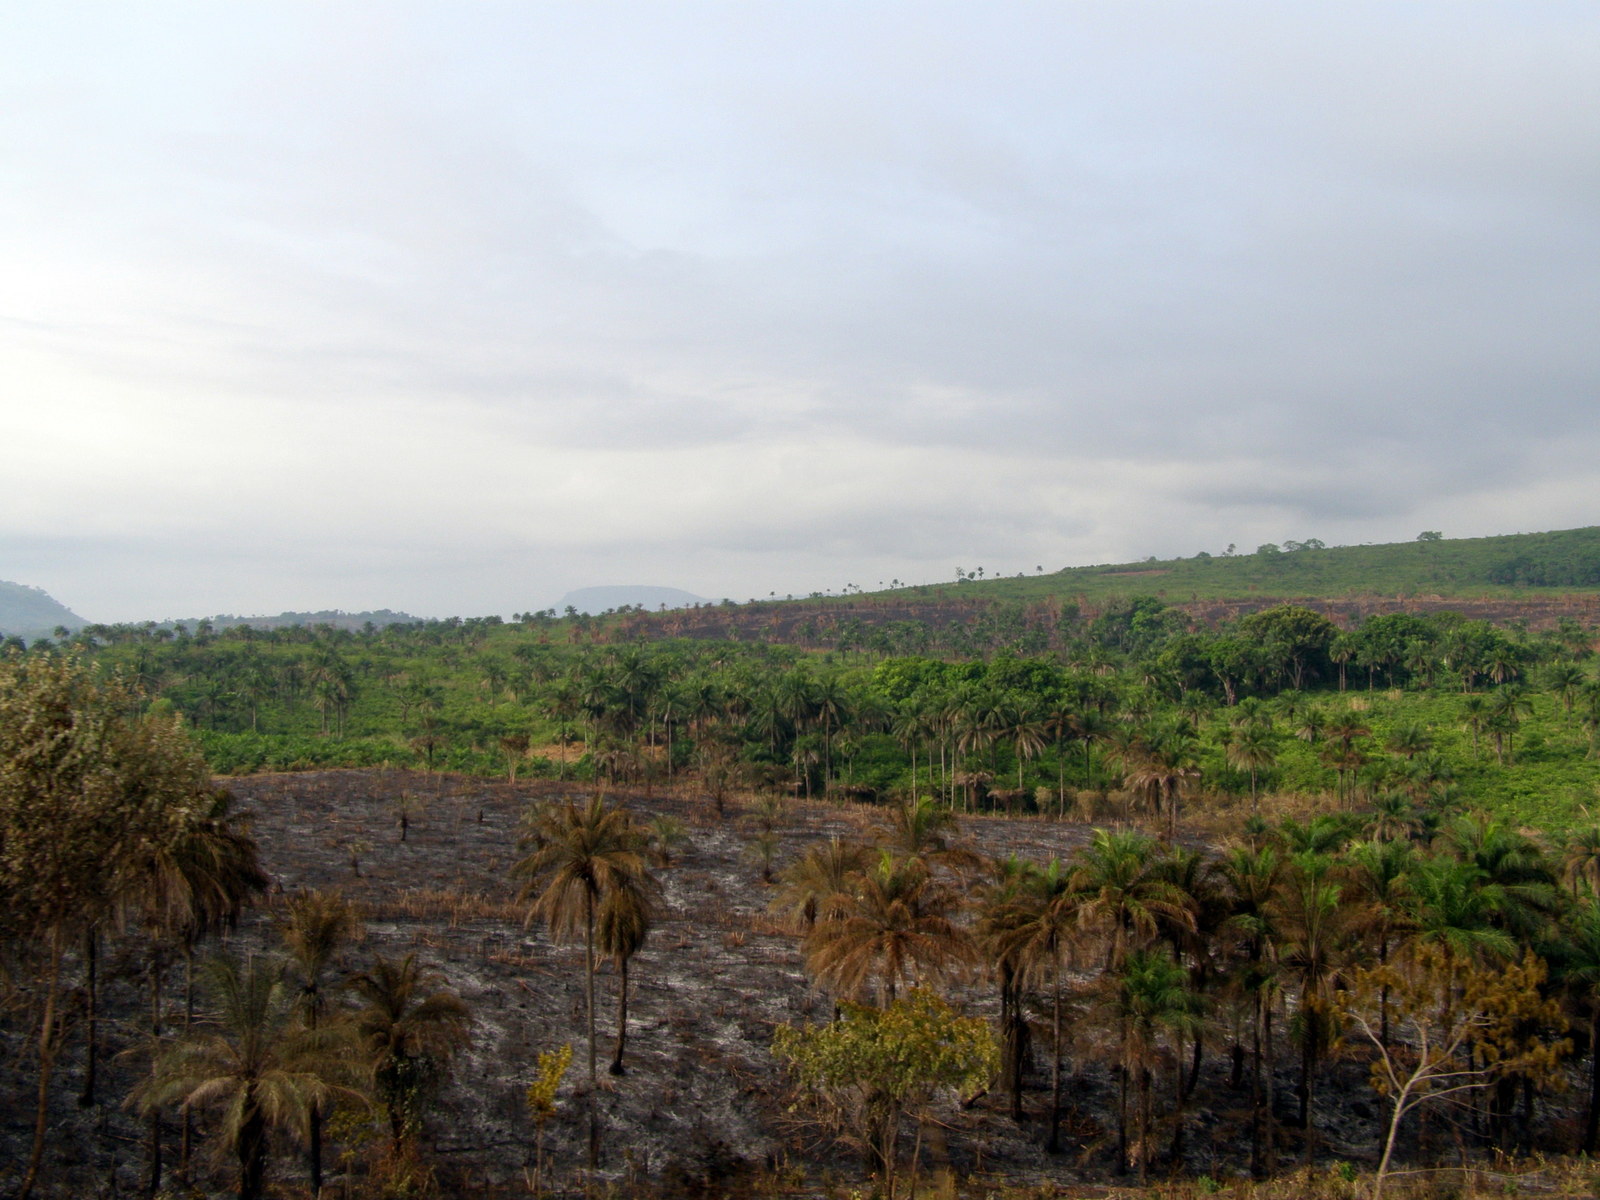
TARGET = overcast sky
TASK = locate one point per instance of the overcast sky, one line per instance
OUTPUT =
(452, 308)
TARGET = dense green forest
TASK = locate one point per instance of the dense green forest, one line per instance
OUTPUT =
(1016, 707)
(1112, 871)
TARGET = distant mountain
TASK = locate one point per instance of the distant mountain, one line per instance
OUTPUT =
(30, 612)
(601, 599)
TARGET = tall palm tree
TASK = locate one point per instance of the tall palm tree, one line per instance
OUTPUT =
(410, 1027)
(182, 890)
(1151, 999)
(252, 1062)
(911, 728)
(1035, 931)
(999, 913)
(1252, 875)
(1027, 731)
(318, 925)
(577, 857)
(1250, 748)
(623, 923)
(1379, 875)
(1126, 894)
(1314, 925)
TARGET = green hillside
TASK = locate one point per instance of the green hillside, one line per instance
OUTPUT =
(1509, 565)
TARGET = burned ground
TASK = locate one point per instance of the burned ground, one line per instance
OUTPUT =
(702, 1102)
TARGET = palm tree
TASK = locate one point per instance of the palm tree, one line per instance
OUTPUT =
(1199, 946)
(1453, 908)
(1152, 998)
(578, 857)
(1410, 740)
(1252, 876)
(1507, 706)
(999, 912)
(410, 1028)
(1034, 930)
(1126, 892)
(623, 923)
(911, 728)
(1250, 748)
(1027, 732)
(1313, 930)
(1166, 770)
(924, 830)
(1379, 874)
(251, 1062)
(1580, 860)
(1341, 650)
(1519, 879)
(819, 885)
(318, 925)
(1565, 679)
(897, 928)
(186, 888)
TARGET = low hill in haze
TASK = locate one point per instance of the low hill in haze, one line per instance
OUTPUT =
(1508, 565)
(30, 612)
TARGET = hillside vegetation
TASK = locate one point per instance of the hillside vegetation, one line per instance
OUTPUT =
(1033, 892)
(1509, 566)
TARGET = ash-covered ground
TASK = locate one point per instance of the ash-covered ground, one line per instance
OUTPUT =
(702, 1105)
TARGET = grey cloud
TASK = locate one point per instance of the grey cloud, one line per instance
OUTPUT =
(1159, 276)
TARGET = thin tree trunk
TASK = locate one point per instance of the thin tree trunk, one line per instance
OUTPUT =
(1194, 1066)
(186, 1144)
(622, 1014)
(1144, 1125)
(1308, 1078)
(49, 1046)
(1054, 1144)
(1258, 1157)
(154, 1165)
(1271, 1115)
(1591, 1121)
(588, 970)
(91, 947)
(1179, 1096)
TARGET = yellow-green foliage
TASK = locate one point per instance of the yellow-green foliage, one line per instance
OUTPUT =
(910, 1048)
(541, 1095)
(873, 1065)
